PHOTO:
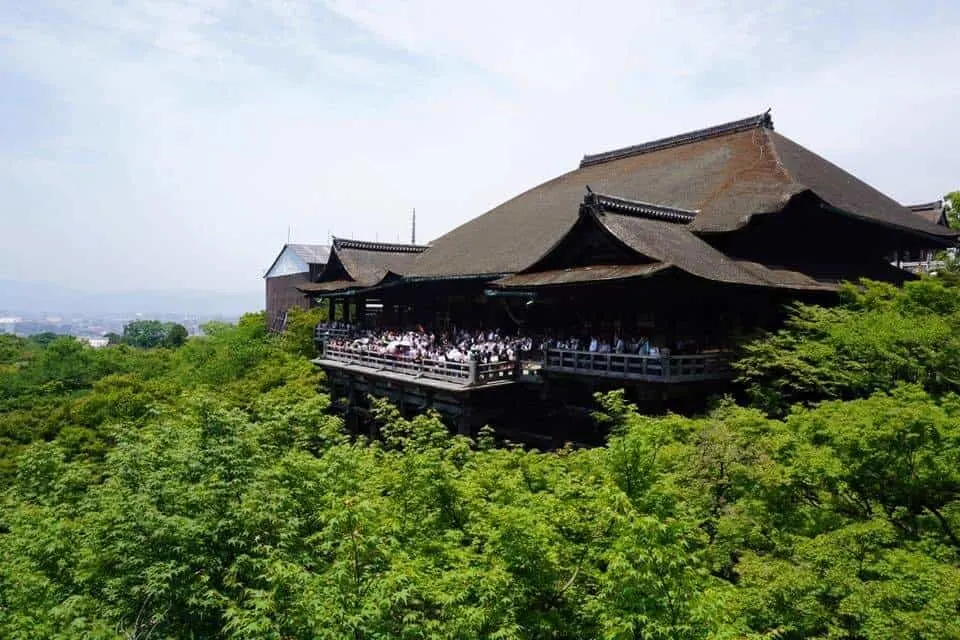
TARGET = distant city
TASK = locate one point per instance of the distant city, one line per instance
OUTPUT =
(91, 326)
(28, 308)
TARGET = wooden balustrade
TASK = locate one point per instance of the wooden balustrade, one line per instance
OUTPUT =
(463, 373)
(668, 368)
(323, 332)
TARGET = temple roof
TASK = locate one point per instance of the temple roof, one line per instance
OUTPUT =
(717, 177)
(662, 245)
(358, 263)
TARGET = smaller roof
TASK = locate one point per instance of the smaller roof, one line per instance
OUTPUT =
(311, 253)
(365, 264)
(931, 212)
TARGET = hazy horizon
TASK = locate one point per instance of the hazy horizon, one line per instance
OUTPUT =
(171, 144)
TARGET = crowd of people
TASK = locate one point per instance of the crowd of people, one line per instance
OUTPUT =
(490, 346)
(633, 346)
(338, 327)
(452, 346)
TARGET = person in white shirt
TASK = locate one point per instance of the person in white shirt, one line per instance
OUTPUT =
(593, 345)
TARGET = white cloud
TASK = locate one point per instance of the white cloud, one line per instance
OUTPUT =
(192, 133)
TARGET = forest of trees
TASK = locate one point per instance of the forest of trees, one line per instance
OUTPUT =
(207, 491)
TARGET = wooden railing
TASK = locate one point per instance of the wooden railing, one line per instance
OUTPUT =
(320, 333)
(712, 366)
(462, 373)
(922, 266)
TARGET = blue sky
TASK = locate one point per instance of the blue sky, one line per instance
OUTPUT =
(168, 144)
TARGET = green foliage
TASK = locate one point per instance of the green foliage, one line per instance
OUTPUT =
(147, 334)
(43, 339)
(952, 206)
(879, 337)
(208, 492)
(176, 336)
(298, 334)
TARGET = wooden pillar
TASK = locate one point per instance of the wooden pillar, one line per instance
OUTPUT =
(330, 310)
(362, 311)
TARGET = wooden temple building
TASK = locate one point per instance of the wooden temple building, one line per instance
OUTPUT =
(693, 239)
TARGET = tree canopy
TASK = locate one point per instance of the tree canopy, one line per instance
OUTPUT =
(154, 333)
(210, 492)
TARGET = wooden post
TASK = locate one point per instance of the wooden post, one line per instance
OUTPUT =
(362, 312)
(472, 375)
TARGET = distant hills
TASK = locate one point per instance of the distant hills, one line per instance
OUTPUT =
(46, 297)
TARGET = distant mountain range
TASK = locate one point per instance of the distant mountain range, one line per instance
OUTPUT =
(46, 297)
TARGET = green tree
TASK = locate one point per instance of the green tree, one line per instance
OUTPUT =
(878, 337)
(144, 333)
(299, 331)
(43, 339)
(952, 206)
(176, 336)
(209, 491)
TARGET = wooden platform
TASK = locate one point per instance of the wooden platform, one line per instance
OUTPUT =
(409, 376)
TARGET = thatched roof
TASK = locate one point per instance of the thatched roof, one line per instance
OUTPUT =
(357, 264)
(723, 175)
(370, 262)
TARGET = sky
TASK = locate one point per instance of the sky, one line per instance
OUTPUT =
(174, 144)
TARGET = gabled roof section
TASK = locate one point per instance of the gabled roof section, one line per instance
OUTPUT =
(366, 264)
(844, 191)
(932, 212)
(662, 245)
(746, 124)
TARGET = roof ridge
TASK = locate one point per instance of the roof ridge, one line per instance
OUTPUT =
(925, 206)
(763, 120)
(366, 245)
(638, 208)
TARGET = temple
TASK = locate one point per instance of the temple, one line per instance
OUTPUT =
(686, 243)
